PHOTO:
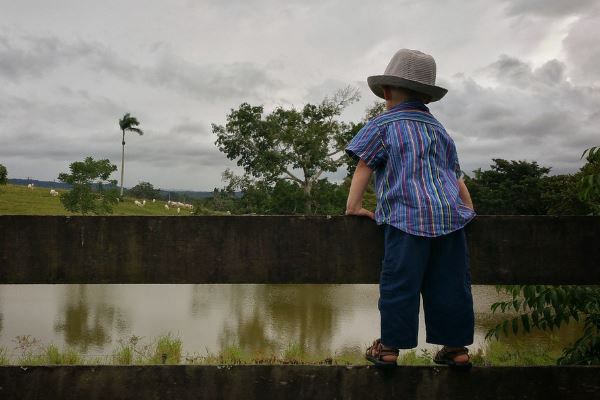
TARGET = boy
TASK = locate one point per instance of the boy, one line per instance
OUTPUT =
(424, 205)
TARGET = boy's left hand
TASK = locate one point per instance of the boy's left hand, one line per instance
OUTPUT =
(361, 212)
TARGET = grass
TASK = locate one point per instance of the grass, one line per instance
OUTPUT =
(501, 354)
(167, 349)
(19, 200)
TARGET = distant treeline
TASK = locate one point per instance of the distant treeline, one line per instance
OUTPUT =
(175, 195)
(507, 188)
(45, 184)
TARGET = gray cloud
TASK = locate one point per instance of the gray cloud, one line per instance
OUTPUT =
(69, 70)
(237, 80)
(528, 113)
(38, 56)
(35, 56)
(582, 48)
(548, 8)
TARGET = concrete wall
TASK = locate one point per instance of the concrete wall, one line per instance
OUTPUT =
(297, 382)
(277, 249)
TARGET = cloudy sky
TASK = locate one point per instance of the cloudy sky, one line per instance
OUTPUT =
(523, 76)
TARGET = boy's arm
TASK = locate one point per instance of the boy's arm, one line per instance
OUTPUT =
(360, 180)
(464, 194)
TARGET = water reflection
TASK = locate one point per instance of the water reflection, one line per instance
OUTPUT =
(269, 316)
(324, 319)
(86, 317)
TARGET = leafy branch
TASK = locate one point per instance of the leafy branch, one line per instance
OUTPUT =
(549, 307)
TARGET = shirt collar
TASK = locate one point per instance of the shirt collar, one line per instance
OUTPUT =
(410, 105)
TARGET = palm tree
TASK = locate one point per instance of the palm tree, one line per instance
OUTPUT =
(128, 123)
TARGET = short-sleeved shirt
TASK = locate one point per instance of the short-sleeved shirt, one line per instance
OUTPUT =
(416, 171)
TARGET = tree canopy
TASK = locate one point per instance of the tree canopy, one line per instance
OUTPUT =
(508, 187)
(291, 144)
(144, 190)
(89, 194)
(3, 175)
(589, 183)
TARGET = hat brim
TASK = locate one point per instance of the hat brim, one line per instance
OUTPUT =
(377, 82)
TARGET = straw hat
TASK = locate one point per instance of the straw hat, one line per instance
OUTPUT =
(409, 69)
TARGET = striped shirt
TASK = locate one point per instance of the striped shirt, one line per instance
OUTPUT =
(416, 171)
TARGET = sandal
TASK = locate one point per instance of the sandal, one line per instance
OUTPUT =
(446, 357)
(377, 351)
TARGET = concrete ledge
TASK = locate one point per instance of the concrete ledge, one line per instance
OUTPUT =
(296, 382)
(277, 249)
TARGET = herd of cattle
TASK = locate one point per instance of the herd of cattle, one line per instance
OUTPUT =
(170, 204)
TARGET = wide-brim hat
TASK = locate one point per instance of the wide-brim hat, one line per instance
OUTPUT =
(409, 69)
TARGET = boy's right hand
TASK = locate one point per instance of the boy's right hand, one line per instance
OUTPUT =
(361, 212)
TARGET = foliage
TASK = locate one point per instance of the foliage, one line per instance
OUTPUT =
(547, 308)
(283, 197)
(560, 195)
(276, 146)
(130, 124)
(86, 176)
(371, 112)
(144, 190)
(589, 184)
(508, 188)
(3, 175)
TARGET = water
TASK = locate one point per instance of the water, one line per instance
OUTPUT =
(325, 319)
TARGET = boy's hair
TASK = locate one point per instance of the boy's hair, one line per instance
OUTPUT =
(410, 94)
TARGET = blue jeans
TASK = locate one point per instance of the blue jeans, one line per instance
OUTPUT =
(438, 269)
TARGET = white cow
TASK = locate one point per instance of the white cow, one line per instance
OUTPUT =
(30, 186)
(53, 193)
(166, 206)
(137, 203)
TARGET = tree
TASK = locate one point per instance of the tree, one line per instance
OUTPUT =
(127, 123)
(296, 145)
(548, 307)
(144, 190)
(3, 174)
(560, 195)
(508, 188)
(589, 185)
(86, 176)
(377, 108)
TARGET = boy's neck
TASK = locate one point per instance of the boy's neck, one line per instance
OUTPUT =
(391, 103)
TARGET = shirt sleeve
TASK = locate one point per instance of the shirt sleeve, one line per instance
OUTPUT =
(367, 145)
(453, 163)
(457, 169)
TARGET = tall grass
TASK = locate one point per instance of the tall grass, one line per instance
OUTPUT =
(168, 349)
(4, 359)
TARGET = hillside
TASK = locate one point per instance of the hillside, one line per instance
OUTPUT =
(19, 200)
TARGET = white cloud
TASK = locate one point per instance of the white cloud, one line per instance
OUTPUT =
(522, 76)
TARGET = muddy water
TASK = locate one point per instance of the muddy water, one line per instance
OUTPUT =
(325, 319)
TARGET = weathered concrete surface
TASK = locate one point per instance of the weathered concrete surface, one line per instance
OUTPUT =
(297, 382)
(277, 249)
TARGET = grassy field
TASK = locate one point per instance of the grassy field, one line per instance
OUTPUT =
(19, 200)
